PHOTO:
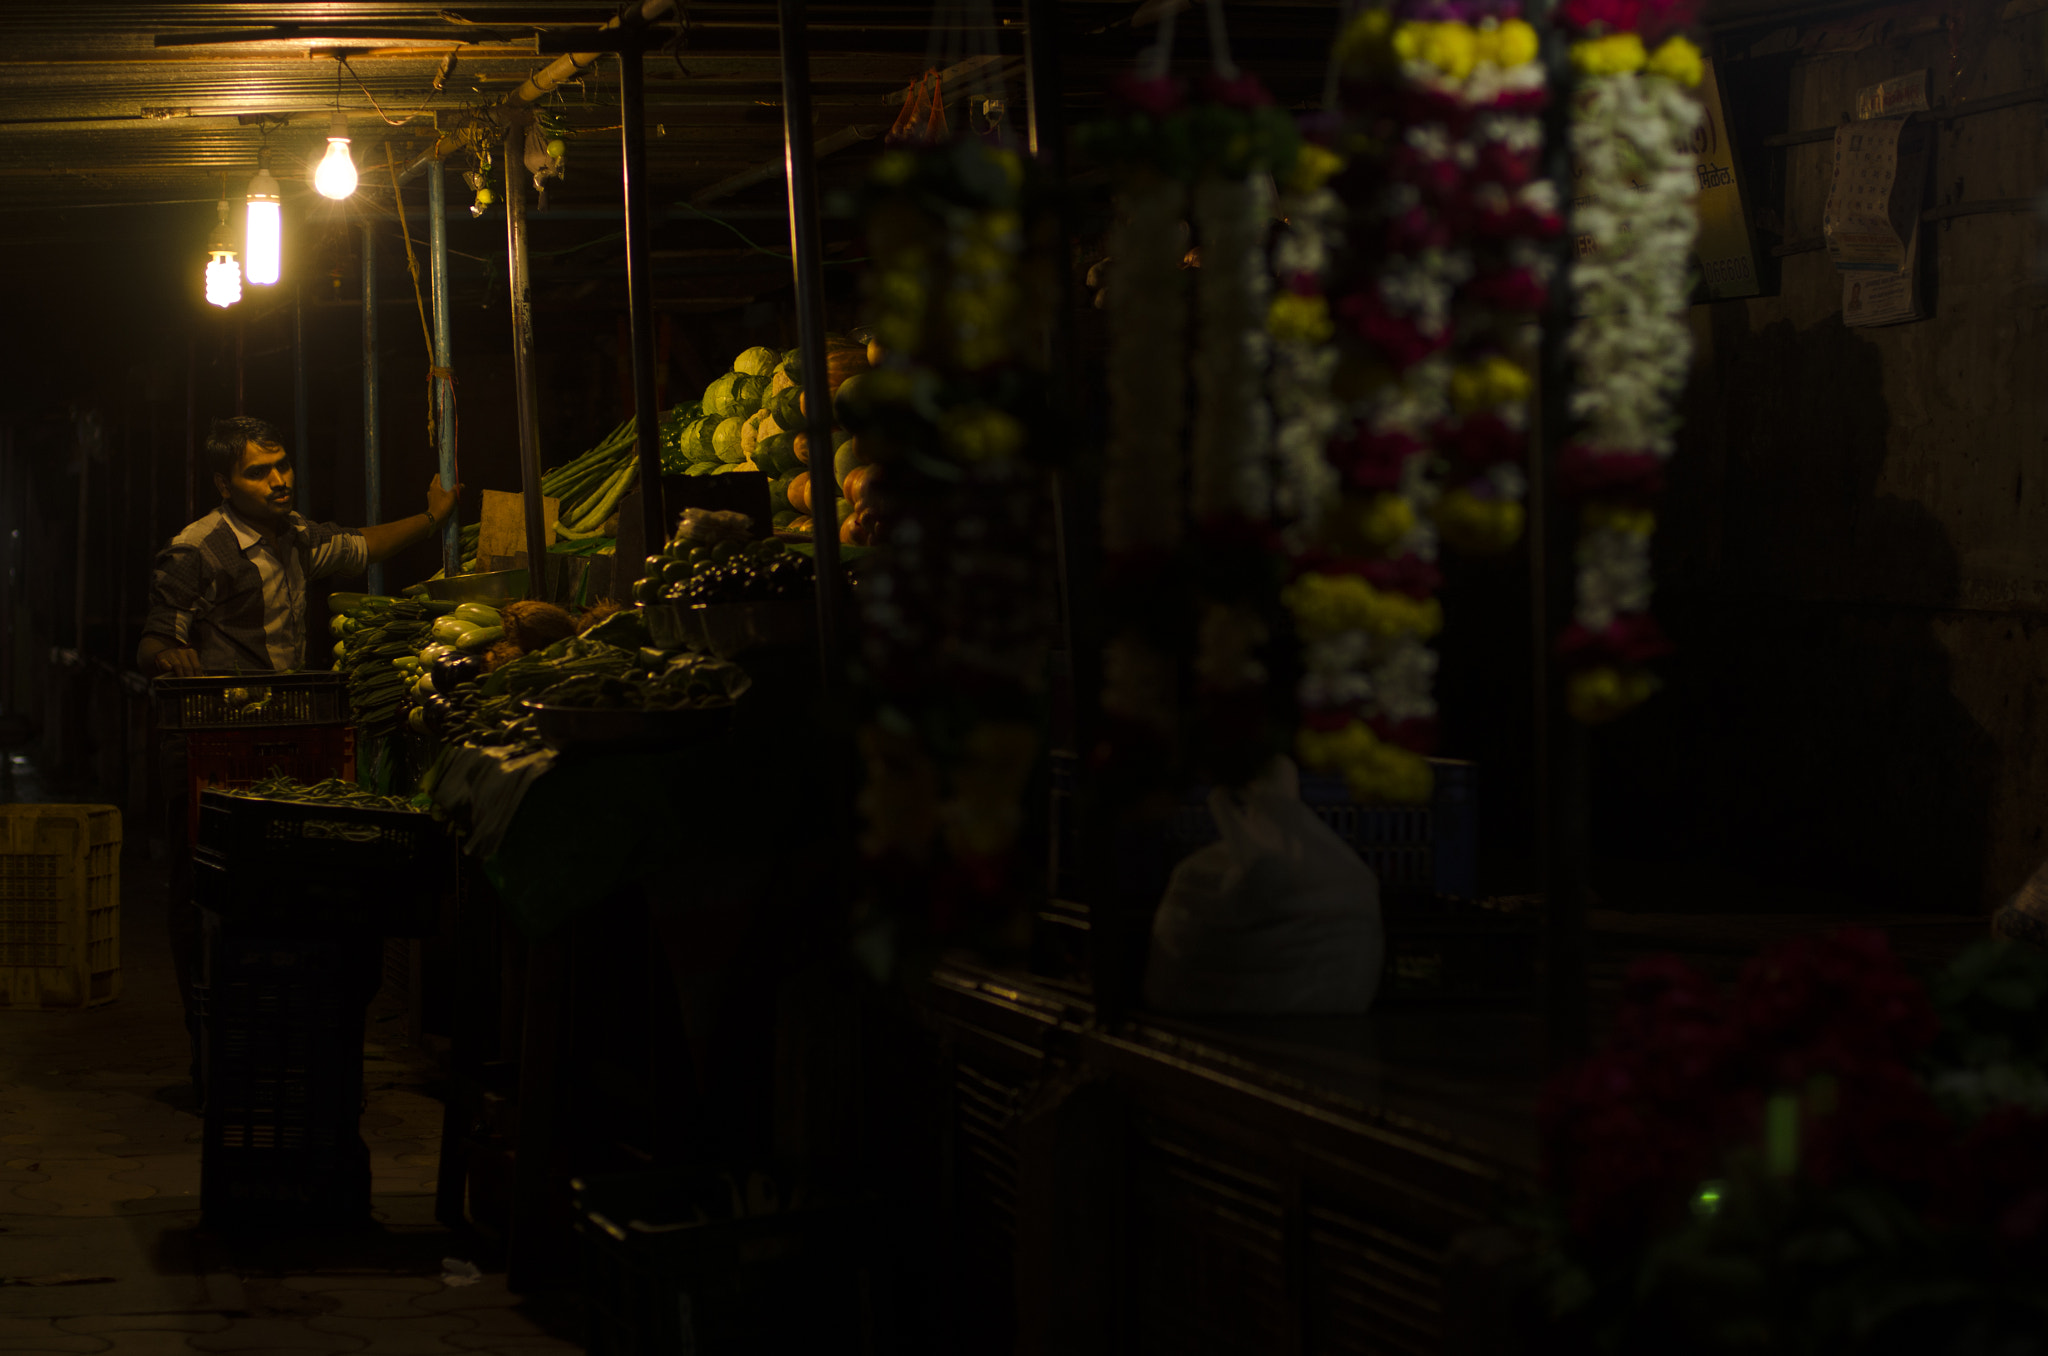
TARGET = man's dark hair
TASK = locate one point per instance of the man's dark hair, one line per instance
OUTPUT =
(226, 439)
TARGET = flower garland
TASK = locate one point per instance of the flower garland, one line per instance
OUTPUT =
(1204, 161)
(955, 623)
(1441, 241)
(1631, 127)
(1305, 413)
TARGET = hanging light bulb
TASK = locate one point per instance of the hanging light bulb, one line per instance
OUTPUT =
(336, 176)
(223, 276)
(263, 240)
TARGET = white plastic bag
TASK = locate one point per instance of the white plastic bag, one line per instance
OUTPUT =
(1281, 916)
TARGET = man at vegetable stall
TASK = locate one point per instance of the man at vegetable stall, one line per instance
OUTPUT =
(229, 592)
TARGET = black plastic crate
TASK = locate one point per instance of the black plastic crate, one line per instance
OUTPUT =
(281, 1039)
(713, 1262)
(309, 868)
(251, 700)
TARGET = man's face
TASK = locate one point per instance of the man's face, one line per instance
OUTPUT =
(261, 487)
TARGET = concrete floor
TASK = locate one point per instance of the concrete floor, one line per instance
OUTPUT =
(101, 1244)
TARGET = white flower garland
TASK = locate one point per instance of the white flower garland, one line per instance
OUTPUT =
(1632, 343)
(1305, 414)
(1631, 132)
(1233, 427)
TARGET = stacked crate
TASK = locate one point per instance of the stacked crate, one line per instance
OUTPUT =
(60, 905)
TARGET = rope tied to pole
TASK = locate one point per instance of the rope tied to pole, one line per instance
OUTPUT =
(412, 264)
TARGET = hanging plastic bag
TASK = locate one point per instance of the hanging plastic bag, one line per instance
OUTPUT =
(909, 124)
(935, 130)
(1281, 916)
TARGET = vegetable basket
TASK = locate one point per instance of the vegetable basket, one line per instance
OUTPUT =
(308, 866)
(236, 701)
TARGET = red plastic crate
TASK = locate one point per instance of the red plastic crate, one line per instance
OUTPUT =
(233, 759)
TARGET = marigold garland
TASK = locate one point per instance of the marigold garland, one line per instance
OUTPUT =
(1433, 317)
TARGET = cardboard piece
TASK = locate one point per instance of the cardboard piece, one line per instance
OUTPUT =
(502, 529)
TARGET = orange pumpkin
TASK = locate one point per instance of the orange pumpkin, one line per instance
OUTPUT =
(855, 486)
(801, 445)
(841, 363)
(800, 492)
(802, 525)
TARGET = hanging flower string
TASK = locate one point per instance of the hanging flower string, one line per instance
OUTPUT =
(1205, 160)
(949, 431)
(1631, 130)
(1443, 203)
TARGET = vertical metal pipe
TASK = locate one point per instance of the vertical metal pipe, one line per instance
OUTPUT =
(10, 553)
(639, 301)
(373, 464)
(241, 362)
(302, 451)
(121, 537)
(1561, 755)
(808, 253)
(522, 363)
(191, 427)
(443, 394)
(79, 564)
(1044, 123)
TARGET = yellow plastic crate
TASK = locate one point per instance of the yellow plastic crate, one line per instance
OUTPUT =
(60, 905)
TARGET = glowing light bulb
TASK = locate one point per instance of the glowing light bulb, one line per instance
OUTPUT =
(223, 280)
(263, 239)
(336, 176)
(223, 275)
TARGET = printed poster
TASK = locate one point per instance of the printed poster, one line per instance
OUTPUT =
(1726, 253)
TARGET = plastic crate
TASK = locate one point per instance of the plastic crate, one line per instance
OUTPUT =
(1414, 849)
(281, 1040)
(60, 905)
(671, 1262)
(282, 863)
(251, 700)
(231, 759)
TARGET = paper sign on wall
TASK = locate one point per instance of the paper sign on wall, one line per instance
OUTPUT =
(1872, 221)
(1727, 255)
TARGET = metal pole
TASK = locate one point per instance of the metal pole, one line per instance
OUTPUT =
(522, 363)
(808, 254)
(443, 394)
(9, 553)
(78, 570)
(191, 427)
(640, 304)
(1561, 749)
(302, 451)
(373, 466)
